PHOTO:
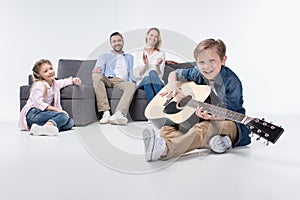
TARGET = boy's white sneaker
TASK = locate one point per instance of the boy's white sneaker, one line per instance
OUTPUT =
(105, 117)
(46, 130)
(118, 119)
(154, 145)
(220, 143)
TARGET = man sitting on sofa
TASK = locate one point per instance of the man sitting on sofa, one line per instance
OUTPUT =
(114, 70)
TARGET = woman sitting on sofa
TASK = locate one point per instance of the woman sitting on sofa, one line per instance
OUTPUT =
(149, 64)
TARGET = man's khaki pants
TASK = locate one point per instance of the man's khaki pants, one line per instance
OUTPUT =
(100, 84)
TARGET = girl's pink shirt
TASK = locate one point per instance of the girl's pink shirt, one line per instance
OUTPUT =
(36, 98)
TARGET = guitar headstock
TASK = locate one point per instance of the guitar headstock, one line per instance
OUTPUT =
(266, 130)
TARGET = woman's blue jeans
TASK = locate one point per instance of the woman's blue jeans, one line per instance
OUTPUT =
(151, 84)
(39, 117)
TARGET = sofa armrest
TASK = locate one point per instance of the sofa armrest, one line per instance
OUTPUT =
(79, 102)
(24, 95)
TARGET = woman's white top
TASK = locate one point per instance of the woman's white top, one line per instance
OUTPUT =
(139, 63)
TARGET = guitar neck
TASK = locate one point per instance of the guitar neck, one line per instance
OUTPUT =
(221, 112)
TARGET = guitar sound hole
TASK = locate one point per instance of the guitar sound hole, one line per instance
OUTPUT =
(183, 102)
(176, 107)
(171, 108)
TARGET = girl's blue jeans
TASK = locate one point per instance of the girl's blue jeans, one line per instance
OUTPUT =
(39, 117)
(151, 84)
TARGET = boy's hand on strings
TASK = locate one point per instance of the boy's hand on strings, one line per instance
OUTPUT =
(205, 115)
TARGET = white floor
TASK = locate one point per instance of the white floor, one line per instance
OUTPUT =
(107, 162)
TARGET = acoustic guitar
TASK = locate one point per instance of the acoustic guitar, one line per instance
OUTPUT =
(178, 110)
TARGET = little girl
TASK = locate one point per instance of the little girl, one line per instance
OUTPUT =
(43, 114)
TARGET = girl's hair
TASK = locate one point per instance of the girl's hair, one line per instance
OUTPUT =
(158, 43)
(36, 73)
(211, 43)
(37, 67)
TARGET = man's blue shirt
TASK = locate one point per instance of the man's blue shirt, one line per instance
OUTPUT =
(107, 62)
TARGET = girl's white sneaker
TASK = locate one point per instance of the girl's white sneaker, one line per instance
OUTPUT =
(46, 130)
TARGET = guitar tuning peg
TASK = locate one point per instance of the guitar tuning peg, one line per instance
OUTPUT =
(258, 138)
(266, 143)
(263, 119)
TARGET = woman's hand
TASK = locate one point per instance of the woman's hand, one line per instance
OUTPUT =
(159, 61)
(145, 59)
(157, 64)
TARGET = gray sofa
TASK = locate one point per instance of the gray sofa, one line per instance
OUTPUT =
(79, 101)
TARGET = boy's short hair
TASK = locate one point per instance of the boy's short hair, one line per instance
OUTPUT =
(211, 43)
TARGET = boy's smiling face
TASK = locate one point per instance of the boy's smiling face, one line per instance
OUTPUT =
(210, 63)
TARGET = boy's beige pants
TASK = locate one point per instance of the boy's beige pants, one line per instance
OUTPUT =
(196, 137)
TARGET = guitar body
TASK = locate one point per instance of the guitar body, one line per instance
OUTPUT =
(180, 111)
(165, 110)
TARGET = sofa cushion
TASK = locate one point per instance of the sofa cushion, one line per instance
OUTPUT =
(117, 93)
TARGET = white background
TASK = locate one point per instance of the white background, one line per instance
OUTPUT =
(262, 37)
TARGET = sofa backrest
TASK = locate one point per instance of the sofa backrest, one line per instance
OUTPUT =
(172, 67)
(76, 68)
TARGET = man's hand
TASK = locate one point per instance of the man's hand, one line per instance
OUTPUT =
(97, 70)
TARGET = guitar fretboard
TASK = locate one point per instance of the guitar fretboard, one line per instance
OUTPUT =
(220, 112)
